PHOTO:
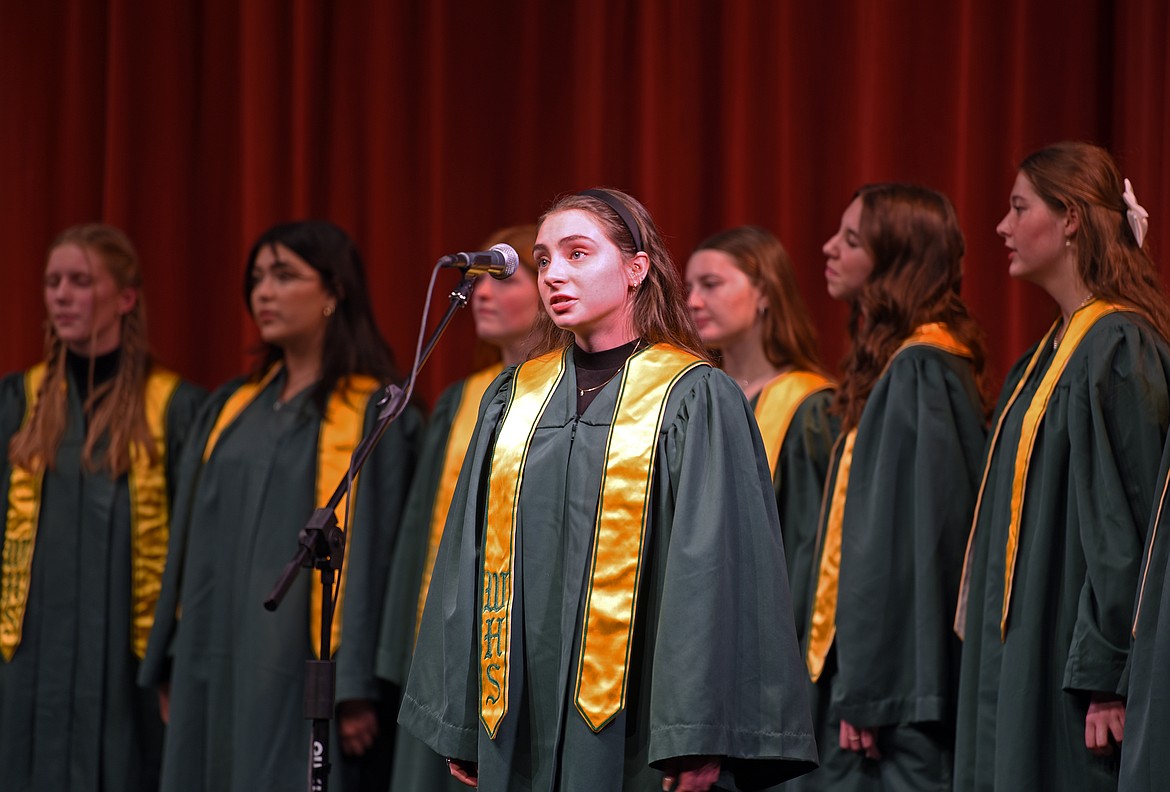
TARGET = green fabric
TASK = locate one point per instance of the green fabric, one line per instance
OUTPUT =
(71, 715)
(916, 465)
(416, 766)
(1145, 762)
(799, 482)
(715, 666)
(237, 669)
(1022, 701)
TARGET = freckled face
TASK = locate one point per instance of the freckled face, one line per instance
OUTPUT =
(84, 302)
(847, 264)
(288, 299)
(723, 300)
(584, 280)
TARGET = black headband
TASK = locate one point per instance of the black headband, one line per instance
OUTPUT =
(612, 201)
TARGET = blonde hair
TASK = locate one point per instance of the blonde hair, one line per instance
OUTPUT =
(115, 410)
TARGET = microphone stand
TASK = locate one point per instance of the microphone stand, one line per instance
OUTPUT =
(321, 545)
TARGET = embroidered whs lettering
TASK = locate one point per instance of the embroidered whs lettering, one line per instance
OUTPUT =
(532, 388)
(618, 539)
(496, 594)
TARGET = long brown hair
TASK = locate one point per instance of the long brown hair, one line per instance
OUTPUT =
(1110, 262)
(787, 333)
(114, 410)
(353, 344)
(660, 313)
(912, 235)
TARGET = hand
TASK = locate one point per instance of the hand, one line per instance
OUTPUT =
(691, 773)
(357, 726)
(164, 701)
(1106, 717)
(859, 740)
(464, 772)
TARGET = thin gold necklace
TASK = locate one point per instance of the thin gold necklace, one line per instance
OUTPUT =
(583, 391)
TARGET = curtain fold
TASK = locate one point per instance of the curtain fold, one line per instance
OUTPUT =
(421, 127)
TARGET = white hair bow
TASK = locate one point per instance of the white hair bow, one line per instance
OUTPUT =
(1139, 218)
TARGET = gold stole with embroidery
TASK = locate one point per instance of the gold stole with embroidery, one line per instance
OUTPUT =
(823, 624)
(777, 405)
(1079, 325)
(149, 520)
(462, 428)
(619, 532)
(341, 430)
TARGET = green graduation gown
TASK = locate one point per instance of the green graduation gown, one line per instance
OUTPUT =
(893, 665)
(715, 668)
(236, 670)
(1145, 762)
(799, 482)
(1023, 699)
(72, 718)
(416, 766)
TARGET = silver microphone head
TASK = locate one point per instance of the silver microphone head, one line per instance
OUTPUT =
(511, 260)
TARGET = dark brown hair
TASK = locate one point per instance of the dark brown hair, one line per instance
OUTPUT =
(660, 313)
(788, 335)
(353, 343)
(912, 235)
(1084, 178)
(115, 410)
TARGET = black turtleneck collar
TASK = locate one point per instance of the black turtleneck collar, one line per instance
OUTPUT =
(596, 369)
(104, 368)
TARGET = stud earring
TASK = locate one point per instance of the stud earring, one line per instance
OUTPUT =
(328, 310)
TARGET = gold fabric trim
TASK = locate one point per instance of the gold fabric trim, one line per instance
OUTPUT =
(1150, 554)
(779, 400)
(240, 399)
(620, 532)
(150, 512)
(1079, 325)
(823, 623)
(341, 430)
(532, 388)
(458, 438)
(149, 520)
(20, 535)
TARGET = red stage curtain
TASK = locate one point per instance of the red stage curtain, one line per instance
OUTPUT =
(422, 125)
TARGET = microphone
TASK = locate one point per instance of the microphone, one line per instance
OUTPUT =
(499, 262)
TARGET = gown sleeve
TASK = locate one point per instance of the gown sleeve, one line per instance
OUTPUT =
(727, 678)
(440, 705)
(1118, 411)
(377, 515)
(915, 474)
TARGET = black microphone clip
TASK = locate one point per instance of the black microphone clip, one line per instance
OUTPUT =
(499, 262)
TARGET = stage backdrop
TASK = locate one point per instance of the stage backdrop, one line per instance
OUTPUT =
(422, 126)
